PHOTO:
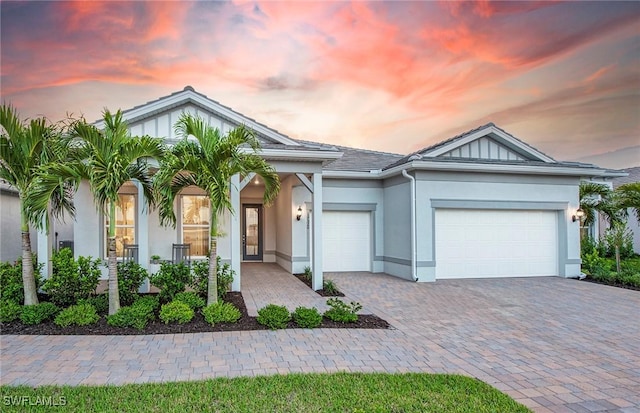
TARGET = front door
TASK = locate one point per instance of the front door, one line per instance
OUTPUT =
(252, 232)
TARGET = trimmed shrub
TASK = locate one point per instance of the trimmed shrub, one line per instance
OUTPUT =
(9, 311)
(342, 312)
(71, 280)
(176, 312)
(11, 288)
(171, 280)
(136, 315)
(99, 302)
(130, 277)
(307, 317)
(191, 299)
(201, 273)
(221, 312)
(36, 314)
(79, 314)
(274, 316)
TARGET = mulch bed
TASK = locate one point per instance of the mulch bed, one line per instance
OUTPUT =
(197, 325)
(628, 287)
(323, 293)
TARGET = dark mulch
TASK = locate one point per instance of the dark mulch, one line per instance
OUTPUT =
(611, 284)
(197, 325)
(323, 293)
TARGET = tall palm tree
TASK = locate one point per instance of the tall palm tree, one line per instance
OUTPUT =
(25, 148)
(108, 159)
(209, 162)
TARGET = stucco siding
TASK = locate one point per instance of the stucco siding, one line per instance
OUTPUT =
(397, 227)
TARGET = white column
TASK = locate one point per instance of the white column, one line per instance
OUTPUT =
(317, 232)
(142, 235)
(43, 248)
(234, 233)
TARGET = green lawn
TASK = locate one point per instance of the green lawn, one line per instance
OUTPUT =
(339, 392)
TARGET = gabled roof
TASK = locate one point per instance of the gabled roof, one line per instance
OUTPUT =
(188, 95)
(462, 147)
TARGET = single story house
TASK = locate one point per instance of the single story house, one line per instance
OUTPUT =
(481, 204)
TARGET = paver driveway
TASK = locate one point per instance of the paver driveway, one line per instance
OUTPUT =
(553, 344)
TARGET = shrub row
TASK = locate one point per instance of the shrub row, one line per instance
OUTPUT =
(277, 317)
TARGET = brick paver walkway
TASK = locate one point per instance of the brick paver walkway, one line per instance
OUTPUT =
(555, 345)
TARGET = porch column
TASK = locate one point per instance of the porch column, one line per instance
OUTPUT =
(234, 233)
(317, 232)
(142, 235)
(44, 248)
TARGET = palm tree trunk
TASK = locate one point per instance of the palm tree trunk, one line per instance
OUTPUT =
(114, 294)
(212, 284)
(28, 278)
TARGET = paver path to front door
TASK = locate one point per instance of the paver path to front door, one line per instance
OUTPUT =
(553, 344)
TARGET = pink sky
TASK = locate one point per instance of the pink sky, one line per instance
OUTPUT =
(390, 76)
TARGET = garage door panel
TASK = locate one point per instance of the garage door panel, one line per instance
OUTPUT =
(346, 241)
(495, 243)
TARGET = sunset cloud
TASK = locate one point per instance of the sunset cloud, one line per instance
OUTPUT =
(355, 73)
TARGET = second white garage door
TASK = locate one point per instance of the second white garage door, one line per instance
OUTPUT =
(346, 241)
(495, 243)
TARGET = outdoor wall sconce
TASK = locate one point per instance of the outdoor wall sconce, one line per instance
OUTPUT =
(299, 214)
(579, 214)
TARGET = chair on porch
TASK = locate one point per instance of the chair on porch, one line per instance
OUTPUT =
(181, 253)
(130, 252)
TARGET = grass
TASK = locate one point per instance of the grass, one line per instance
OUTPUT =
(337, 392)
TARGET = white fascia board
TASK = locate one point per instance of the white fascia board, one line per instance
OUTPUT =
(207, 103)
(295, 154)
(496, 168)
(484, 132)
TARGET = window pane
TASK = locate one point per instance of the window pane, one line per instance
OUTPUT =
(125, 224)
(195, 223)
(195, 210)
(198, 238)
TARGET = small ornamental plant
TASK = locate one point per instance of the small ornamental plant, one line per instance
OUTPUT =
(221, 312)
(176, 312)
(307, 317)
(191, 299)
(274, 316)
(342, 312)
(38, 313)
(79, 314)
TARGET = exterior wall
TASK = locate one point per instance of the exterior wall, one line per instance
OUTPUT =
(10, 234)
(397, 227)
(282, 205)
(496, 191)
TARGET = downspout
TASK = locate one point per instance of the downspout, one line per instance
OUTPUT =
(414, 269)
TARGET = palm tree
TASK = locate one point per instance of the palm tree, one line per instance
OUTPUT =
(629, 197)
(209, 162)
(110, 158)
(598, 198)
(24, 150)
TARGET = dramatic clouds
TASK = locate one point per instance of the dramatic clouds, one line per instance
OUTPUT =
(391, 76)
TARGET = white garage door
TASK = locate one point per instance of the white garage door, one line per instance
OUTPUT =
(346, 241)
(495, 243)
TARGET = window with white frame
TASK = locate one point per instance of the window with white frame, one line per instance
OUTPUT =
(195, 214)
(125, 224)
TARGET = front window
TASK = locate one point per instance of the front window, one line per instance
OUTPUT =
(125, 223)
(195, 223)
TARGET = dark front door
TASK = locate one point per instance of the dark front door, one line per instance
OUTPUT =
(252, 232)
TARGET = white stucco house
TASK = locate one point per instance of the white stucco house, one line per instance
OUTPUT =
(481, 204)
